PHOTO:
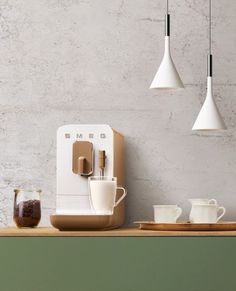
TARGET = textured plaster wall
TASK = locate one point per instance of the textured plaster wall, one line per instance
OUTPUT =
(92, 61)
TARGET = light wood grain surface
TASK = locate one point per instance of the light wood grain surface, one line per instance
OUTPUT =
(122, 232)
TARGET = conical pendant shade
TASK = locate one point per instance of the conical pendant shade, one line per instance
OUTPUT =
(209, 117)
(167, 76)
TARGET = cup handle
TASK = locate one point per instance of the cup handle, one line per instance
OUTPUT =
(212, 201)
(223, 213)
(178, 212)
(122, 197)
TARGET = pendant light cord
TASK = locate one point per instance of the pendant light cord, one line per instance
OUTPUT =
(209, 27)
(167, 22)
(209, 57)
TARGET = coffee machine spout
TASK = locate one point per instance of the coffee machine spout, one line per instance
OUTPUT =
(81, 165)
(82, 158)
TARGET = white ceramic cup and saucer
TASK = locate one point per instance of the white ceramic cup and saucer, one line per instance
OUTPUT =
(166, 213)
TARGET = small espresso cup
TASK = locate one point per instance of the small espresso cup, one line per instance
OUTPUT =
(166, 213)
(206, 213)
(103, 194)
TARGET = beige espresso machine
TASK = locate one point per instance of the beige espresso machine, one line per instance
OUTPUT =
(85, 150)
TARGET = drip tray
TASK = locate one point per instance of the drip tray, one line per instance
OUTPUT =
(81, 222)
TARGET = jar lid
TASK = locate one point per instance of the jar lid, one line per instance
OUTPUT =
(27, 190)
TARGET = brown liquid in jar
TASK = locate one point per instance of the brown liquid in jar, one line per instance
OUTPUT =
(27, 213)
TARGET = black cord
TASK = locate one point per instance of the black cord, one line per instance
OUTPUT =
(209, 57)
(209, 27)
(167, 22)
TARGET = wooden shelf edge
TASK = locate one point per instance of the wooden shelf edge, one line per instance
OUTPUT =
(122, 232)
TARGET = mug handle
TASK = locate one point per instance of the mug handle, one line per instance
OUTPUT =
(179, 212)
(223, 213)
(212, 201)
(122, 197)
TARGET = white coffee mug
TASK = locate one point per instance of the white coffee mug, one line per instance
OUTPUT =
(197, 201)
(103, 193)
(166, 213)
(206, 213)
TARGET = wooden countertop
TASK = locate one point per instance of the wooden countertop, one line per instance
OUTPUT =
(122, 232)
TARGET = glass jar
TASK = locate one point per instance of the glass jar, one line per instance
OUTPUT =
(27, 207)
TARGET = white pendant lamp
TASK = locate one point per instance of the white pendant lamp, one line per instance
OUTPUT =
(167, 76)
(209, 117)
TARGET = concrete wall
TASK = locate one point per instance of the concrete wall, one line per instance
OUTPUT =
(92, 61)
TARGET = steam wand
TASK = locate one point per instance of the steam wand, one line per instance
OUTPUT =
(102, 162)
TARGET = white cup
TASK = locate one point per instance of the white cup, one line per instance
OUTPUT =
(166, 213)
(103, 193)
(201, 201)
(206, 213)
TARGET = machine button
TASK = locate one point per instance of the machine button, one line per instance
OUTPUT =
(79, 135)
(102, 135)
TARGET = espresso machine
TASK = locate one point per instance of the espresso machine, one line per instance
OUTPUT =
(85, 150)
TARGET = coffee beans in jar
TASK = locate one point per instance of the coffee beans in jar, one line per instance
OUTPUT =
(27, 208)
